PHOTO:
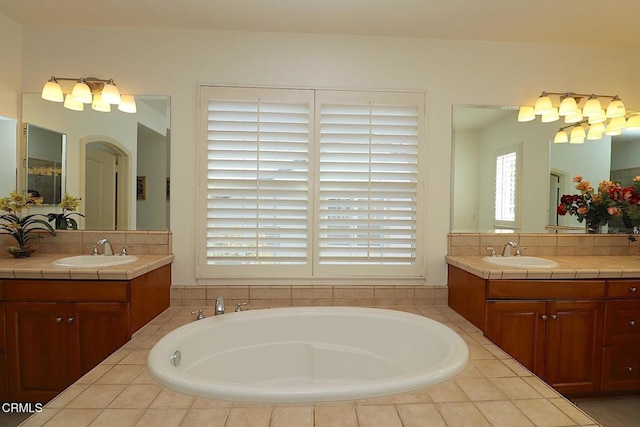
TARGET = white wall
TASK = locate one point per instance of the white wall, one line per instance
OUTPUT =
(11, 60)
(173, 62)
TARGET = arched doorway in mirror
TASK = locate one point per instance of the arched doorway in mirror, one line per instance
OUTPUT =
(107, 184)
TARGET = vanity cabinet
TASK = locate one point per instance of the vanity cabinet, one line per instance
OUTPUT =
(58, 330)
(53, 342)
(621, 367)
(4, 391)
(553, 327)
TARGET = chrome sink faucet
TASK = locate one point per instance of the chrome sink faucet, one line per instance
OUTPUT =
(219, 308)
(507, 248)
(108, 249)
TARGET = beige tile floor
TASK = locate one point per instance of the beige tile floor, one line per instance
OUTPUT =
(493, 390)
(622, 411)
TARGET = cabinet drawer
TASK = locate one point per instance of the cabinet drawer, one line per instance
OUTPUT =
(66, 290)
(622, 322)
(546, 289)
(623, 289)
(621, 368)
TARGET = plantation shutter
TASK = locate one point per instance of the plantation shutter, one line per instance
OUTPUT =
(257, 176)
(368, 179)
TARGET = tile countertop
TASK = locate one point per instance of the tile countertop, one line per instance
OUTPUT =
(39, 266)
(569, 267)
(493, 390)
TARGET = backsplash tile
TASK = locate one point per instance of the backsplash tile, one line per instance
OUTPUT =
(543, 244)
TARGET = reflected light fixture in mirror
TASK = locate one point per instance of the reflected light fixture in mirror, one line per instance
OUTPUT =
(100, 93)
(598, 121)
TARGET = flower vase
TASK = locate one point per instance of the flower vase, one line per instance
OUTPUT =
(19, 252)
(594, 227)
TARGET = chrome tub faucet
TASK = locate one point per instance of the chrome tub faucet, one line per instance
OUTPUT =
(219, 308)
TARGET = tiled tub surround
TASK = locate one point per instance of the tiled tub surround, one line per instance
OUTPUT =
(270, 296)
(493, 390)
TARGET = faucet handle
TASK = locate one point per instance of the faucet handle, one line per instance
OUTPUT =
(200, 314)
(124, 250)
(94, 249)
(239, 306)
(492, 251)
(519, 249)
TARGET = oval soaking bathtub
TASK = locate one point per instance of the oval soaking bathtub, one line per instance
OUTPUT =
(307, 354)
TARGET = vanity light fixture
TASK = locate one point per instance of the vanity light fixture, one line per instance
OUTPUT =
(100, 93)
(599, 121)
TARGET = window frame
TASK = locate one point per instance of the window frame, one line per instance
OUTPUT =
(313, 271)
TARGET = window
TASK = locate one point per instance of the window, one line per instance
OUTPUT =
(310, 183)
(507, 187)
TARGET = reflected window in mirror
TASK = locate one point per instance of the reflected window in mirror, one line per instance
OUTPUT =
(507, 177)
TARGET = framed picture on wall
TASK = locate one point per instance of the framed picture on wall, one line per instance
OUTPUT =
(141, 188)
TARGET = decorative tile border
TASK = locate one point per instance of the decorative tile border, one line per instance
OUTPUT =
(260, 296)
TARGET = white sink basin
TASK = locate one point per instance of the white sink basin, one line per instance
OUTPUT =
(520, 261)
(88, 261)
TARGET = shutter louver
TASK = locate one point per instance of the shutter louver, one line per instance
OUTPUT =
(368, 184)
(257, 182)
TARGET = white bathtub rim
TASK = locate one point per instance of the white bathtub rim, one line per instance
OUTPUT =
(166, 374)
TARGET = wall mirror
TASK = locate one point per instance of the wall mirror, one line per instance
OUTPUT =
(117, 163)
(8, 159)
(545, 173)
(44, 163)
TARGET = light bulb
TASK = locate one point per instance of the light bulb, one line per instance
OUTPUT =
(592, 107)
(526, 114)
(52, 91)
(72, 104)
(543, 104)
(574, 117)
(551, 116)
(577, 135)
(616, 108)
(127, 104)
(633, 122)
(98, 104)
(110, 93)
(81, 92)
(561, 137)
(595, 131)
(568, 106)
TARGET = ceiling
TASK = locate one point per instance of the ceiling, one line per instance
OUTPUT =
(561, 22)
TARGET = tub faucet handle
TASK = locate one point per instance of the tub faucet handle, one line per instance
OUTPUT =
(219, 308)
(200, 314)
(239, 306)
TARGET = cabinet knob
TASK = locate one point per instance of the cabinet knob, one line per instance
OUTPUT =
(633, 290)
(70, 319)
(632, 323)
(58, 319)
(629, 369)
(554, 316)
(543, 316)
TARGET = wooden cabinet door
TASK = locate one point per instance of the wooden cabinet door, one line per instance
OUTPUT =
(95, 331)
(36, 350)
(574, 345)
(518, 328)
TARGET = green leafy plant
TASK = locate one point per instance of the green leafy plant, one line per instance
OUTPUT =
(21, 228)
(65, 219)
